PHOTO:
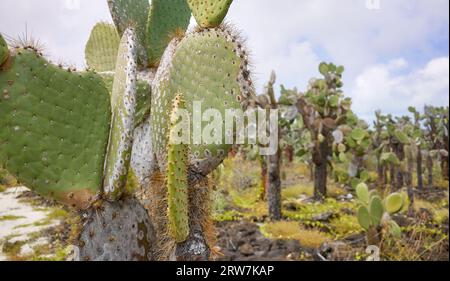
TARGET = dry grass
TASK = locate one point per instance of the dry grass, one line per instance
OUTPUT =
(439, 213)
(294, 192)
(292, 230)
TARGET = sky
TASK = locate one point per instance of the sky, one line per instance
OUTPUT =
(395, 52)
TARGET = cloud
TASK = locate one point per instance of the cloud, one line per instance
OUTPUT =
(394, 86)
(289, 36)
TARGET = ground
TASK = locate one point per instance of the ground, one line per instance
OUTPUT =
(32, 228)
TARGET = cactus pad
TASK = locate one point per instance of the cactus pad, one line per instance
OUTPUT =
(394, 203)
(376, 210)
(54, 128)
(166, 18)
(143, 101)
(177, 181)
(143, 163)
(132, 13)
(101, 48)
(210, 67)
(209, 13)
(362, 192)
(364, 217)
(123, 105)
(117, 231)
(4, 52)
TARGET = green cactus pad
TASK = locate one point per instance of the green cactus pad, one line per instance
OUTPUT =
(177, 180)
(362, 192)
(4, 52)
(210, 67)
(166, 18)
(101, 48)
(54, 128)
(376, 210)
(394, 229)
(209, 13)
(364, 217)
(132, 13)
(143, 100)
(123, 105)
(394, 203)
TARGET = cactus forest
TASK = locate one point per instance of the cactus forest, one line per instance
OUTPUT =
(110, 163)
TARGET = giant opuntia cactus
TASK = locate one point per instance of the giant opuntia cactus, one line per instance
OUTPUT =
(208, 65)
(64, 136)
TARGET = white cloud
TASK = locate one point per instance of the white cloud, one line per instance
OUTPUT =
(290, 36)
(381, 87)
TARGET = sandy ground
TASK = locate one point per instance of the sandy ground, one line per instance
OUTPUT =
(21, 226)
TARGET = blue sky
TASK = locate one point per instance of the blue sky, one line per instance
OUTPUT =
(396, 52)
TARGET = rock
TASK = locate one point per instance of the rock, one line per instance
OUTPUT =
(246, 250)
(325, 217)
(26, 251)
(293, 246)
(335, 251)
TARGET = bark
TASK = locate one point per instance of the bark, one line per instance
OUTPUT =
(392, 173)
(419, 170)
(430, 170)
(264, 178)
(409, 184)
(380, 172)
(274, 191)
(289, 151)
(444, 167)
(400, 153)
(320, 171)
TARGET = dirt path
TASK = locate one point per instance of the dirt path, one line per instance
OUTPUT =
(19, 221)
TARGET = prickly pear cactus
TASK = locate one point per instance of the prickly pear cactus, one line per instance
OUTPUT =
(209, 13)
(123, 104)
(177, 180)
(394, 203)
(101, 48)
(373, 213)
(54, 128)
(126, 14)
(208, 67)
(166, 18)
(4, 52)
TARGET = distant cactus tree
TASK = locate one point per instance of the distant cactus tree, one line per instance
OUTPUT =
(95, 141)
(323, 108)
